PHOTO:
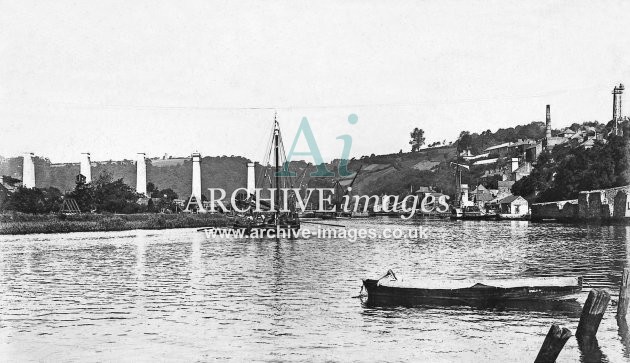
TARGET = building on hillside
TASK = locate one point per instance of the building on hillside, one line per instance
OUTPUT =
(424, 190)
(567, 133)
(588, 143)
(522, 171)
(518, 147)
(505, 186)
(481, 199)
(501, 149)
(479, 189)
(472, 158)
(486, 161)
(532, 152)
(513, 204)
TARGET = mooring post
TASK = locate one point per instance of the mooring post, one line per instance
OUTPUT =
(624, 296)
(553, 344)
(592, 313)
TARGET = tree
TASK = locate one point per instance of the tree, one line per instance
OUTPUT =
(83, 194)
(106, 195)
(168, 194)
(151, 189)
(116, 197)
(34, 200)
(417, 139)
(150, 206)
(525, 187)
(464, 141)
(570, 168)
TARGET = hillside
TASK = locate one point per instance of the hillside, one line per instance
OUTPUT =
(228, 173)
(391, 173)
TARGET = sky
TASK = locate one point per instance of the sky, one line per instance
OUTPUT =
(115, 78)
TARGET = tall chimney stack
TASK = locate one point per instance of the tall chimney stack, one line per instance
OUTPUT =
(141, 175)
(196, 184)
(28, 171)
(617, 92)
(548, 123)
(251, 179)
(86, 167)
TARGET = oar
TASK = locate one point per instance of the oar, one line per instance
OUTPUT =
(324, 224)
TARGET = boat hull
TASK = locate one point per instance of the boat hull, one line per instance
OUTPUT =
(470, 295)
(474, 217)
(383, 214)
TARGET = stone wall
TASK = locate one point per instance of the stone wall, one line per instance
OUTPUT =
(562, 210)
(604, 204)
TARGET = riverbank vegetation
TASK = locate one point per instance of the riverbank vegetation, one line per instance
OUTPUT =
(21, 223)
(105, 205)
(103, 195)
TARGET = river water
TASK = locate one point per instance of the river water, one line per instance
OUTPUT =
(175, 295)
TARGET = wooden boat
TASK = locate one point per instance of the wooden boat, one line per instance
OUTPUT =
(269, 220)
(383, 214)
(431, 216)
(359, 215)
(261, 226)
(389, 288)
(471, 213)
(569, 308)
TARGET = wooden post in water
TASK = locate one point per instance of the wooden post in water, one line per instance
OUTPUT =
(592, 314)
(553, 344)
(624, 296)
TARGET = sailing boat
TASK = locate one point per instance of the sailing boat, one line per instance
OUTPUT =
(272, 219)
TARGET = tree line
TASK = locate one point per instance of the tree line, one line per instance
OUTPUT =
(569, 168)
(103, 195)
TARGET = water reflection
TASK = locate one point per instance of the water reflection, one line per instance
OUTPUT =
(196, 271)
(140, 241)
(568, 308)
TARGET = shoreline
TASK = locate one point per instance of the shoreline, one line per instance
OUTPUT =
(20, 223)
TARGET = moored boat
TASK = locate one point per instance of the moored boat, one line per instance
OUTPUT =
(390, 289)
(271, 219)
(513, 217)
(471, 213)
(359, 215)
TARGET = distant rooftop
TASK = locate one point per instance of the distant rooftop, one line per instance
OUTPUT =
(511, 144)
(509, 199)
(486, 161)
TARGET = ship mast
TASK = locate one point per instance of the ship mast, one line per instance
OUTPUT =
(276, 136)
(458, 183)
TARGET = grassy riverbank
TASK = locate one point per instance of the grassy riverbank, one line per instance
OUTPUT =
(20, 223)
